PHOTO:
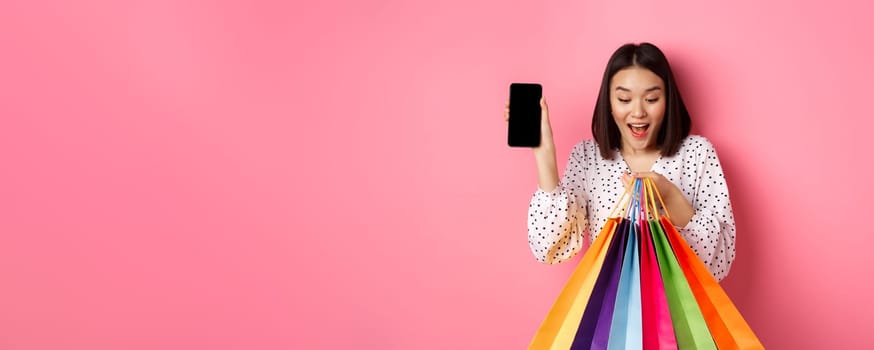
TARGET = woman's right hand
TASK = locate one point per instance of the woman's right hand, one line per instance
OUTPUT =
(546, 141)
(544, 154)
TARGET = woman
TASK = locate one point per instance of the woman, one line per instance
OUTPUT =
(641, 129)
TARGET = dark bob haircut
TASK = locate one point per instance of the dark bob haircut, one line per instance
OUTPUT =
(677, 122)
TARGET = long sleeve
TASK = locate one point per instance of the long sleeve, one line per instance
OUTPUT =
(711, 231)
(557, 221)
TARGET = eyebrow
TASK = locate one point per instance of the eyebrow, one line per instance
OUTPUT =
(654, 88)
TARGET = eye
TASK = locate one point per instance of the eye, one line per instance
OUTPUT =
(652, 100)
(624, 100)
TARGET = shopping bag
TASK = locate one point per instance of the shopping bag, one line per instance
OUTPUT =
(594, 329)
(626, 332)
(558, 329)
(658, 329)
(726, 324)
(640, 286)
(689, 325)
(727, 327)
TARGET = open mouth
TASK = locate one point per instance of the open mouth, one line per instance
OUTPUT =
(638, 130)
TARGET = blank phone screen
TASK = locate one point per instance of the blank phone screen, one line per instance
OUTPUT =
(524, 128)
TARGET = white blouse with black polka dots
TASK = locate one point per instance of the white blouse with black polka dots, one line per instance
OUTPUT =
(565, 221)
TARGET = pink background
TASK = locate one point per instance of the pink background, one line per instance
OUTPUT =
(334, 174)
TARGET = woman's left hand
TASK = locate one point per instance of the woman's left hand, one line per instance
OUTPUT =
(674, 199)
(665, 186)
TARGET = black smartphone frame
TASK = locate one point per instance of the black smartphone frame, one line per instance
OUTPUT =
(524, 125)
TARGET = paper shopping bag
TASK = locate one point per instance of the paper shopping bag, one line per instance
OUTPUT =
(626, 332)
(727, 326)
(689, 325)
(658, 329)
(594, 329)
(558, 329)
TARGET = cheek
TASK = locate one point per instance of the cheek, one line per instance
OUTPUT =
(618, 110)
(618, 115)
(657, 111)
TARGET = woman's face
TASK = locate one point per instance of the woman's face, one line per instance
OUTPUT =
(637, 99)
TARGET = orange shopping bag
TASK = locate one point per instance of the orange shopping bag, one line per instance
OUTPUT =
(560, 326)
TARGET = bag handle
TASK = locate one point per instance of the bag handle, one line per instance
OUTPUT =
(641, 211)
(644, 189)
(652, 189)
(634, 208)
(619, 204)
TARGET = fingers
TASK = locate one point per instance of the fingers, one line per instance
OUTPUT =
(507, 111)
(650, 174)
(626, 180)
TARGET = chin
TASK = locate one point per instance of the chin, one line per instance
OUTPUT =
(637, 143)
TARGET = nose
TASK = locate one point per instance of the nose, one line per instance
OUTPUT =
(637, 111)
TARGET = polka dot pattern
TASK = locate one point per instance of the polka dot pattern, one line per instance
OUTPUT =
(565, 221)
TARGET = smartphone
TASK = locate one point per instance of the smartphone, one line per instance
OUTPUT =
(524, 127)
